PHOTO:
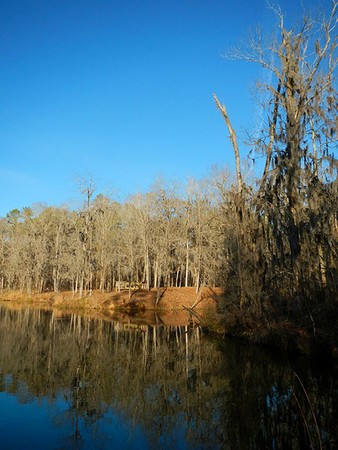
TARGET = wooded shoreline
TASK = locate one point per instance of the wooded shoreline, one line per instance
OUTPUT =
(271, 244)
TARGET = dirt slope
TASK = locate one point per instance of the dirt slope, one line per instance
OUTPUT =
(140, 304)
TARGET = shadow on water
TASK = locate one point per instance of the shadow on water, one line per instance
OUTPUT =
(91, 383)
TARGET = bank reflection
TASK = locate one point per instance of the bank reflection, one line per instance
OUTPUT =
(173, 386)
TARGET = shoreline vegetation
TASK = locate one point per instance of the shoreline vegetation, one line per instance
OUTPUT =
(179, 307)
(271, 244)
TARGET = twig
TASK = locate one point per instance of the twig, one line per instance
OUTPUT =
(313, 414)
(193, 313)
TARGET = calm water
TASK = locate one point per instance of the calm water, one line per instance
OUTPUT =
(69, 382)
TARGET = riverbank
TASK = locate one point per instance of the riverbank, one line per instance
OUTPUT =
(182, 306)
(290, 333)
(171, 307)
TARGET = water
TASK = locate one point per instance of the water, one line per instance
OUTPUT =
(70, 382)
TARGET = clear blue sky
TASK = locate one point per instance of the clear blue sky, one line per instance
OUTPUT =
(121, 90)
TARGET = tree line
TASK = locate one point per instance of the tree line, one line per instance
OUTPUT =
(272, 243)
(166, 237)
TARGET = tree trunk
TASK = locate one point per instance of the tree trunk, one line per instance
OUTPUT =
(187, 264)
(234, 144)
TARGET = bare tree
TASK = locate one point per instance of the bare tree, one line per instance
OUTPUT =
(290, 240)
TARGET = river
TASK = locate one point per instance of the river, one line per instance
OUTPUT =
(73, 382)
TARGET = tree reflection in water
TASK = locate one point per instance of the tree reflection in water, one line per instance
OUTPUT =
(171, 387)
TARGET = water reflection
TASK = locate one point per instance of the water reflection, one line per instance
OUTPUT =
(92, 383)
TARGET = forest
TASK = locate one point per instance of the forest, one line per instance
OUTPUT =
(270, 243)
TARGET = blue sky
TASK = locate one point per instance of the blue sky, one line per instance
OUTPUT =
(121, 91)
